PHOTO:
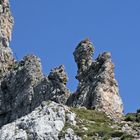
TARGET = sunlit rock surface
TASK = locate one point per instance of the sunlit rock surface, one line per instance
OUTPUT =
(6, 25)
(34, 106)
(97, 87)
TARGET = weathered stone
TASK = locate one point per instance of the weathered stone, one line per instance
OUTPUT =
(70, 135)
(17, 89)
(97, 87)
(58, 75)
(70, 117)
(32, 106)
(6, 25)
(83, 55)
(52, 88)
(43, 123)
(24, 88)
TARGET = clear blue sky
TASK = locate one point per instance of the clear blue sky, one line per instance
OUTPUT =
(51, 29)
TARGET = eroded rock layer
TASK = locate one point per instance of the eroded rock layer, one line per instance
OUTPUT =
(25, 87)
(44, 123)
(97, 87)
(34, 106)
(6, 25)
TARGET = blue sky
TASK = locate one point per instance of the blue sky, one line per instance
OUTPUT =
(51, 29)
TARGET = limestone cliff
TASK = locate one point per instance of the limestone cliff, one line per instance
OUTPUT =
(38, 107)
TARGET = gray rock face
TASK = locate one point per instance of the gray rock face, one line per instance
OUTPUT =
(45, 122)
(58, 75)
(22, 85)
(51, 88)
(83, 55)
(70, 117)
(17, 89)
(32, 105)
(6, 24)
(70, 135)
(97, 87)
(25, 87)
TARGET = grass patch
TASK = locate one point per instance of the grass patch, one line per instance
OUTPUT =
(90, 115)
(92, 124)
(130, 117)
(97, 124)
(127, 137)
(133, 117)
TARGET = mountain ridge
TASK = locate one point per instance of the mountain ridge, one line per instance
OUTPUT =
(37, 107)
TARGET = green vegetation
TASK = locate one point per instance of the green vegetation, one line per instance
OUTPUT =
(138, 117)
(134, 117)
(91, 124)
(130, 117)
(138, 111)
(127, 137)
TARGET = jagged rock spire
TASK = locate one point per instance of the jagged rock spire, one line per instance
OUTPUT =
(24, 90)
(6, 25)
(83, 55)
(59, 75)
(97, 87)
(23, 87)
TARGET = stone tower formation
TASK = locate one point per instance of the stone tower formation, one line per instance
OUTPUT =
(6, 25)
(97, 87)
(23, 87)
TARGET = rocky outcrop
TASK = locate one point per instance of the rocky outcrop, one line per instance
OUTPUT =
(17, 89)
(97, 87)
(45, 122)
(35, 106)
(52, 88)
(6, 24)
(51, 121)
(22, 84)
(25, 87)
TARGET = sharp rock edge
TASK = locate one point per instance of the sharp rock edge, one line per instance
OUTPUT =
(38, 107)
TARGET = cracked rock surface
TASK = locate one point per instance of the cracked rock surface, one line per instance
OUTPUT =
(6, 25)
(97, 87)
(45, 122)
(34, 106)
